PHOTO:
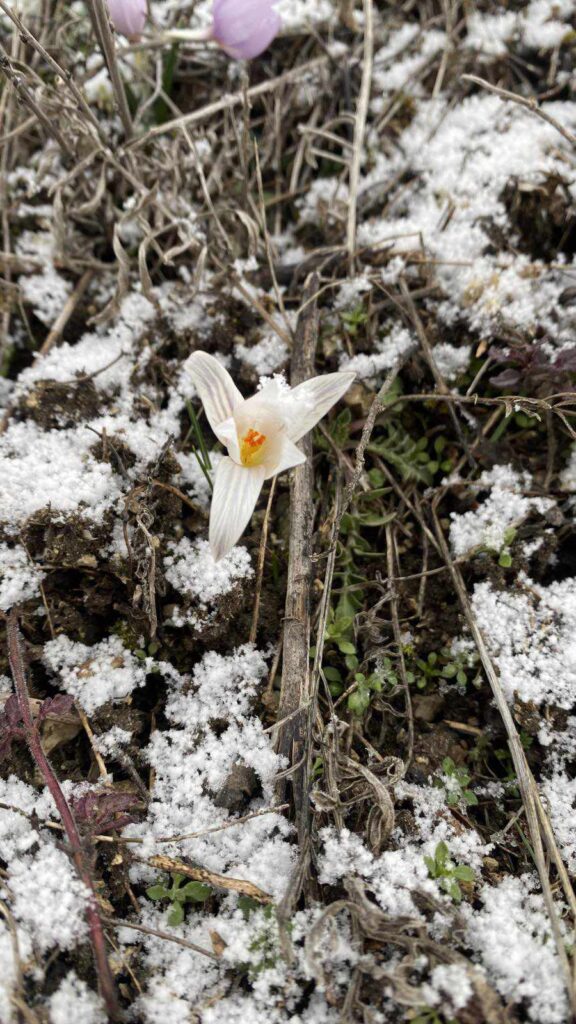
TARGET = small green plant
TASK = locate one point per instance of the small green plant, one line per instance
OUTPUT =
(412, 457)
(199, 446)
(427, 1015)
(178, 895)
(505, 556)
(447, 873)
(455, 780)
(359, 700)
(265, 946)
(441, 664)
(353, 320)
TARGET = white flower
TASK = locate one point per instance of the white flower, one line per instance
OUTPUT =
(260, 434)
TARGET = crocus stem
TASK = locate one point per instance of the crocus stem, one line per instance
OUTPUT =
(101, 21)
(106, 982)
(187, 35)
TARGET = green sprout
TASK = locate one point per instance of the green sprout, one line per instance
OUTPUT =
(447, 873)
(178, 895)
(455, 781)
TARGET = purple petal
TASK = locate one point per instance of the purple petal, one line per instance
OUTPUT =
(245, 28)
(128, 16)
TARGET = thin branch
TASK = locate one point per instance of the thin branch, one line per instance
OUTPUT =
(359, 130)
(261, 560)
(105, 979)
(530, 103)
(101, 21)
(26, 97)
(233, 100)
(117, 922)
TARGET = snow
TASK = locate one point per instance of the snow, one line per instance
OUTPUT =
(449, 988)
(267, 356)
(450, 360)
(19, 578)
(192, 571)
(531, 634)
(396, 876)
(512, 939)
(95, 675)
(388, 351)
(505, 507)
(73, 1001)
(55, 470)
(48, 898)
(193, 759)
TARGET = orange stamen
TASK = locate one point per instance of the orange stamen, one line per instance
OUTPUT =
(250, 447)
(253, 439)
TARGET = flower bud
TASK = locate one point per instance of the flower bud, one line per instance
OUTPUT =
(128, 16)
(244, 28)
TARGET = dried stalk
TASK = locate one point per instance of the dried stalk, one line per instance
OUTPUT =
(295, 688)
(105, 979)
(27, 99)
(261, 560)
(359, 131)
(526, 782)
(208, 877)
(233, 100)
(101, 21)
(529, 103)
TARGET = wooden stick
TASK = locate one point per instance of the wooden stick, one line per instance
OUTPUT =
(295, 688)
(207, 877)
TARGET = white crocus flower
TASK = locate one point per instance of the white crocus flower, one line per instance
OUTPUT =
(260, 434)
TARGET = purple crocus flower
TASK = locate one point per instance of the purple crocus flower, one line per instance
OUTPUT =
(244, 28)
(128, 16)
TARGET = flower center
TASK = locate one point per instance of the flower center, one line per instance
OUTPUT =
(251, 448)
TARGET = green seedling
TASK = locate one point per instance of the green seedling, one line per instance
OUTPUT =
(359, 701)
(354, 320)
(447, 873)
(178, 895)
(455, 780)
(427, 1015)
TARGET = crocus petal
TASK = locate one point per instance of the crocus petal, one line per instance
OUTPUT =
(236, 491)
(312, 400)
(245, 28)
(128, 16)
(288, 457)
(217, 390)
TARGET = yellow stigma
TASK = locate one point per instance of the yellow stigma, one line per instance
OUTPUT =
(251, 450)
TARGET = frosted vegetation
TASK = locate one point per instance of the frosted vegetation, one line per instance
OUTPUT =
(304, 666)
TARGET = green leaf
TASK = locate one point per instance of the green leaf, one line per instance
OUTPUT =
(505, 559)
(463, 873)
(158, 892)
(346, 647)
(351, 662)
(470, 798)
(442, 853)
(333, 675)
(176, 915)
(196, 891)
(358, 702)
(461, 678)
(453, 890)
